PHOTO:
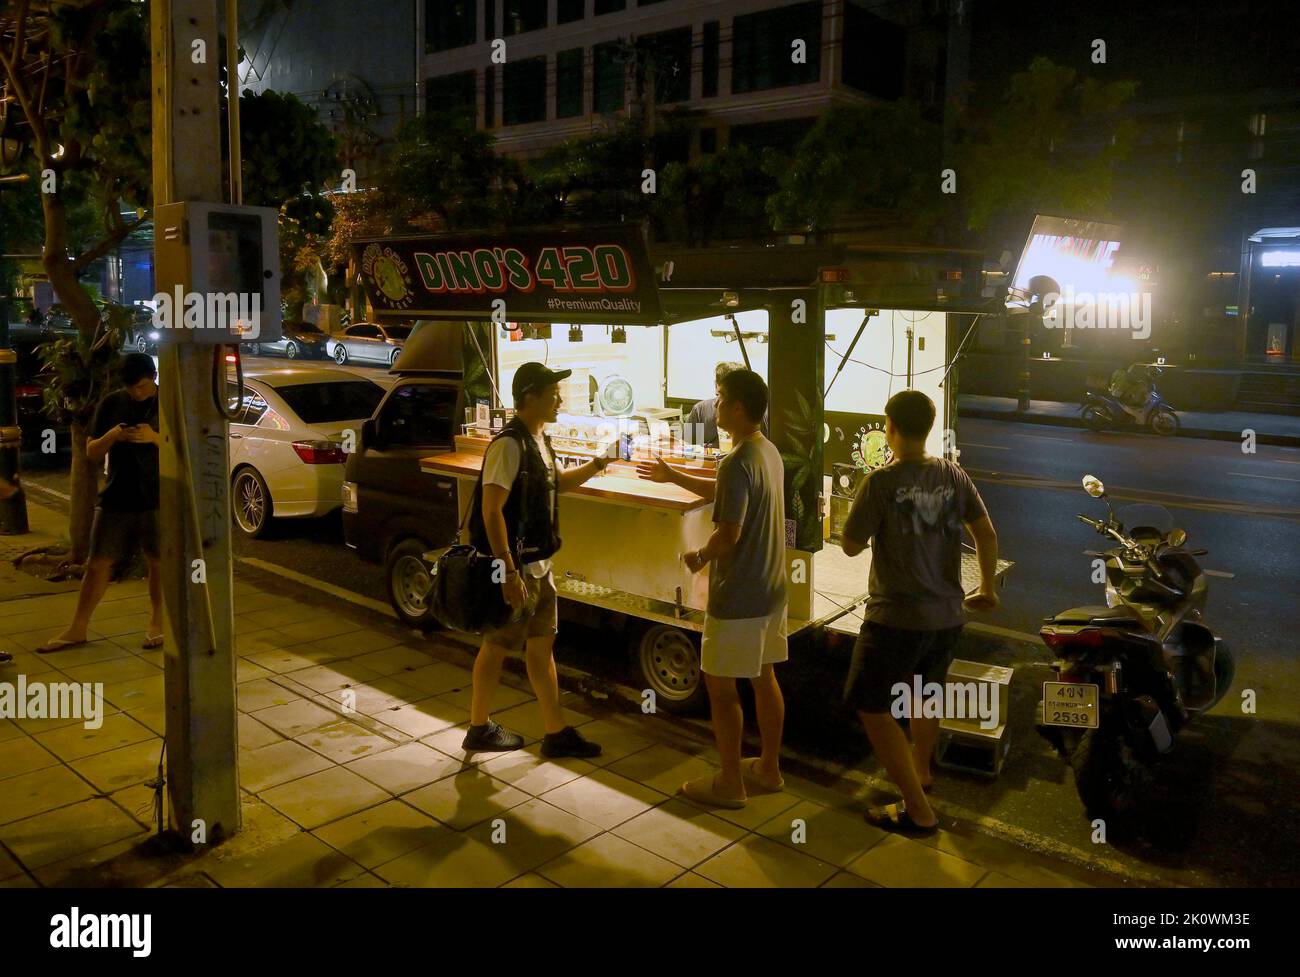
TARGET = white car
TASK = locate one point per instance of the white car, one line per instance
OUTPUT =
(290, 439)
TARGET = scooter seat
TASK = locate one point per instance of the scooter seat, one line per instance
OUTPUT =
(1095, 614)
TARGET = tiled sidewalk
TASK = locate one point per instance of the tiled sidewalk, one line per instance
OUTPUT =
(384, 796)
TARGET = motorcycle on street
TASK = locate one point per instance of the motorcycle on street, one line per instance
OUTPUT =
(1132, 673)
(1106, 409)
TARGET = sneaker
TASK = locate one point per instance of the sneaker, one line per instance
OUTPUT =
(490, 738)
(568, 742)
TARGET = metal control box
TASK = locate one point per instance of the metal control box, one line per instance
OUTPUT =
(217, 273)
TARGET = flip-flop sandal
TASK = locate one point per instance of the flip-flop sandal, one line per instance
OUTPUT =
(152, 641)
(701, 791)
(894, 817)
(749, 769)
(58, 644)
(5, 657)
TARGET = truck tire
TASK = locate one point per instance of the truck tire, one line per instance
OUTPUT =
(406, 578)
(668, 660)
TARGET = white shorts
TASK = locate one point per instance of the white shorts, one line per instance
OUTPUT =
(740, 647)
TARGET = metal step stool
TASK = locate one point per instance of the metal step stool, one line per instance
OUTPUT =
(963, 744)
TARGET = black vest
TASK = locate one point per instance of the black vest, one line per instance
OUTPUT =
(532, 525)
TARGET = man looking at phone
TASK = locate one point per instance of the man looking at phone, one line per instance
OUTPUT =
(125, 430)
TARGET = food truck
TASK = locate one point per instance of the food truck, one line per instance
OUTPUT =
(835, 330)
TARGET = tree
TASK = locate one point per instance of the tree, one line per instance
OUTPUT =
(1050, 145)
(287, 158)
(77, 111)
(859, 160)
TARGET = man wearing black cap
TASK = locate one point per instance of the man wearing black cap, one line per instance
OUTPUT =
(515, 517)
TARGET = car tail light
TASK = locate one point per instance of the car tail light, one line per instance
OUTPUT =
(27, 391)
(320, 452)
(1056, 640)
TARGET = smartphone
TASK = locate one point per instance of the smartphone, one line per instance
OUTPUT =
(625, 446)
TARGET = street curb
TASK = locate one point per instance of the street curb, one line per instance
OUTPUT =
(1207, 434)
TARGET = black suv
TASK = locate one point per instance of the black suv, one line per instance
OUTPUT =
(392, 511)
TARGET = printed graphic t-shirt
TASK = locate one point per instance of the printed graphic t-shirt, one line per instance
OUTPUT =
(501, 467)
(912, 512)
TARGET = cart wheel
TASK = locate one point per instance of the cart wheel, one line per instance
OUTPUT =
(670, 666)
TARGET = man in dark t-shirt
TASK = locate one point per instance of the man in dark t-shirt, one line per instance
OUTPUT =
(911, 512)
(125, 430)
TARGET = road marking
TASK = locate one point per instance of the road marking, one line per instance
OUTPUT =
(1219, 573)
(1170, 499)
(991, 447)
(1043, 437)
(28, 483)
(328, 588)
(1033, 639)
(1276, 478)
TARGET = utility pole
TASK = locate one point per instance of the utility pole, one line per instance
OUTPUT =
(194, 521)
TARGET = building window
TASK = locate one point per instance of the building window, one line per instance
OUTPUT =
(524, 90)
(670, 53)
(521, 16)
(448, 24)
(609, 6)
(567, 11)
(762, 45)
(450, 93)
(873, 52)
(568, 83)
(490, 97)
(607, 77)
(710, 55)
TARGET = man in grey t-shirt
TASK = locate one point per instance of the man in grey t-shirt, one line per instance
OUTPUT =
(911, 513)
(745, 625)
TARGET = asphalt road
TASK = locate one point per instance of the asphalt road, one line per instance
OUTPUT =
(1228, 806)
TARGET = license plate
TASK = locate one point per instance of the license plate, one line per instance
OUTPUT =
(1070, 704)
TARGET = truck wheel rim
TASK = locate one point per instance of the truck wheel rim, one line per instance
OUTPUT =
(670, 663)
(251, 503)
(411, 585)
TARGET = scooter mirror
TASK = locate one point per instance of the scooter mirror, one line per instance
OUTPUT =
(1092, 485)
(1177, 537)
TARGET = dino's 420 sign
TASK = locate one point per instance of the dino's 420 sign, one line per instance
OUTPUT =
(592, 275)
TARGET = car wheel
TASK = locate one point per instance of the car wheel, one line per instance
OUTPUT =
(409, 583)
(251, 501)
(291, 350)
(392, 359)
(142, 344)
(340, 354)
(669, 659)
(254, 349)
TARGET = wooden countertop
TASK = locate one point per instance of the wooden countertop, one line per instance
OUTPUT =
(619, 483)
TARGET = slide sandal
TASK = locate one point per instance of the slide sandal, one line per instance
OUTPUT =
(701, 791)
(58, 644)
(894, 817)
(749, 769)
(152, 641)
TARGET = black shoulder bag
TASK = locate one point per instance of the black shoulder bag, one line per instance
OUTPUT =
(463, 594)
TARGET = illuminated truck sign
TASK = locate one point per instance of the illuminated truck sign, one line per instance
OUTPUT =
(594, 275)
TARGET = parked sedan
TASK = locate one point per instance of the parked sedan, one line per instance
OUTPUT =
(290, 439)
(299, 340)
(368, 342)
